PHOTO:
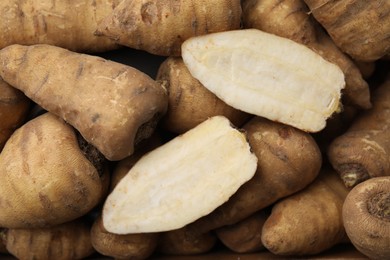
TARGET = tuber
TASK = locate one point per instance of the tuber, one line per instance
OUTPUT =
(160, 26)
(291, 19)
(46, 178)
(366, 216)
(363, 151)
(309, 221)
(14, 107)
(66, 241)
(112, 105)
(205, 165)
(68, 24)
(359, 28)
(190, 103)
(266, 75)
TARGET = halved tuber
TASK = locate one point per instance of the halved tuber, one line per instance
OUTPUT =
(266, 75)
(112, 105)
(181, 181)
(366, 216)
(161, 26)
(46, 179)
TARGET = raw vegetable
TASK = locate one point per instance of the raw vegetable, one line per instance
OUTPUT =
(70, 240)
(266, 75)
(291, 19)
(309, 221)
(363, 151)
(69, 24)
(245, 235)
(161, 26)
(205, 165)
(112, 105)
(46, 178)
(366, 216)
(190, 103)
(14, 107)
(360, 28)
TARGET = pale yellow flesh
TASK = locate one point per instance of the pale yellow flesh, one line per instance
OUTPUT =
(182, 180)
(266, 75)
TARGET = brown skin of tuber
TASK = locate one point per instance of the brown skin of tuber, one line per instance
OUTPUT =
(362, 152)
(112, 105)
(132, 246)
(359, 28)
(291, 19)
(161, 26)
(70, 240)
(244, 236)
(309, 221)
(288, 160)
(366, 216)
(67, 24)
(190, 103)
(46, 179)
(14, 107)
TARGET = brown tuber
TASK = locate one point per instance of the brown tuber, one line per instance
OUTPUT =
(112, 105)
(366, 216)
(46, 179)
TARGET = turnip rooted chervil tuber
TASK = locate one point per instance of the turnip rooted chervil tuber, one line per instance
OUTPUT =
(112, 105)
(266, 75)
(182, 180)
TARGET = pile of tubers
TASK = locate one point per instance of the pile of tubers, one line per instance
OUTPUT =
(265, 127)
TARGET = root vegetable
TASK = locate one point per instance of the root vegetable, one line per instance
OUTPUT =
(266, 75)
(131, 246)
(46, 179)
(192, 174)
(160, 27)
(67, 24)
(309, 221)
(360, 28)
(244, 236)
(366, 216)
(190, 103)
(291, 19)
(112, 105)
(288, 160)
(14, 106)
(363, 150)
(70, 240)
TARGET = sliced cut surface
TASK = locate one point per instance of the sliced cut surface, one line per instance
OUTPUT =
(182, 180)
(267, 75)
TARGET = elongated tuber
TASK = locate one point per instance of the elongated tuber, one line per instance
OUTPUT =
(267, 75)
(161, 26)
(46, 179)
(68, 24)
(363, 151)
(360, 28)
(309, 221)
(112, 105)
(291, 19)
(366, 216)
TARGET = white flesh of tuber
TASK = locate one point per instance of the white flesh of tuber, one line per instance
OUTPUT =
(182, 180)
(266, 75)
